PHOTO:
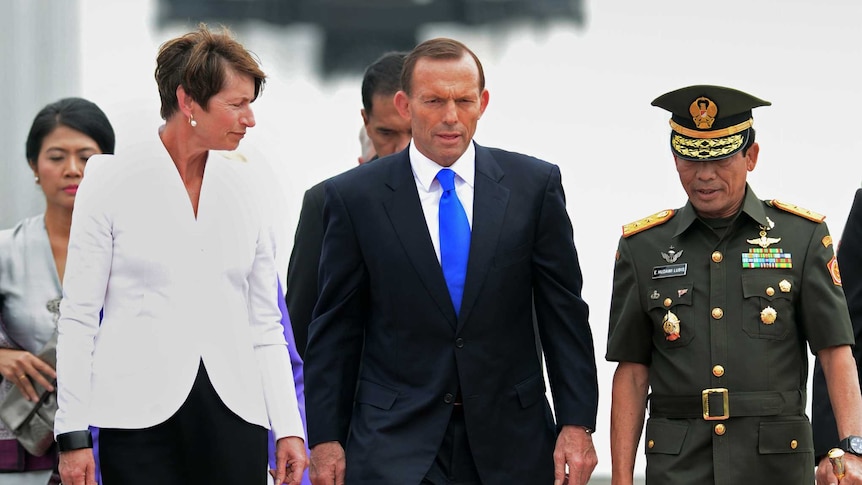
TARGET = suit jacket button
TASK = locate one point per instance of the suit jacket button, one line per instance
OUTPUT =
(448, 398)
(459, 342)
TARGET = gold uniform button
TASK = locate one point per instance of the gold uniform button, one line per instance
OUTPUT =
(650, 444)
(667, 302)
(717, 257)
(720, 429)
(718, 371)
(717, 313)
(793, 444)
(770, 291)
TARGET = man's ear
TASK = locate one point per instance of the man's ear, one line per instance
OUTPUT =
(483, 101)
(402, 104)
(751, 156)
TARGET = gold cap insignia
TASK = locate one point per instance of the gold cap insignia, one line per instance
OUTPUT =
(703, 111)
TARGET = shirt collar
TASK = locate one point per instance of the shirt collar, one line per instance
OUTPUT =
(751, 205)
(425, 170)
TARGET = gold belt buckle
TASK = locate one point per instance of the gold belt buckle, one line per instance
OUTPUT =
(726, 412)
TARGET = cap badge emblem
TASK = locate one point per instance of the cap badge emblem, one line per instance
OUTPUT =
(703, 112)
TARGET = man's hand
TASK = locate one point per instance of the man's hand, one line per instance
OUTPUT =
(852, 471)
(290, 461)
(327, 464)
(78, 467)
(574, 448)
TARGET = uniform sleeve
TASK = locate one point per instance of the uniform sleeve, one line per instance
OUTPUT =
(823, 309)
(629, 330)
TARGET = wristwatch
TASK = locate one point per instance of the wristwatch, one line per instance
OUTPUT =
(852, 444)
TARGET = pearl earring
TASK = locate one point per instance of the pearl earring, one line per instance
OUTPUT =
(37, 179)
(192, 121)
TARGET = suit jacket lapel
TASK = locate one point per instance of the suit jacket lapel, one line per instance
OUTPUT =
(490, 200)
(408, 220)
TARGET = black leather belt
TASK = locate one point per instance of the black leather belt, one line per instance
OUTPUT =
(718, 404)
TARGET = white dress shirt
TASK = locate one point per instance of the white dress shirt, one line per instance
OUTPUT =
(176, 289)
(425, 174)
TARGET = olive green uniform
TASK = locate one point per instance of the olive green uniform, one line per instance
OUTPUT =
(739, 328)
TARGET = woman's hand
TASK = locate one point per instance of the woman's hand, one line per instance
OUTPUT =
(23, 369)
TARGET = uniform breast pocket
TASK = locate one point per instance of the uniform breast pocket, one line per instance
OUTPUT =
(768, 306)
(670, 308)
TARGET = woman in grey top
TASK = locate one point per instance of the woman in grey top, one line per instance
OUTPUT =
(63, 136)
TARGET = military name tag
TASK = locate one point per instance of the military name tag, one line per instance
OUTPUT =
(766, 258)
(669, 271)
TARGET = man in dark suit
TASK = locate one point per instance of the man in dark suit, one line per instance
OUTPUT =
(822, 417)
(421, 362)
(389, 133)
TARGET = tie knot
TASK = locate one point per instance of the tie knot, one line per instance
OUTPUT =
(446, 177)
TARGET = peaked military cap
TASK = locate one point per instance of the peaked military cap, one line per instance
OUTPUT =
(709, 122)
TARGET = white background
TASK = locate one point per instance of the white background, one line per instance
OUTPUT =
(578, 97)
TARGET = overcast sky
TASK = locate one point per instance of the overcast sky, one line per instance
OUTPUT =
(577, 97)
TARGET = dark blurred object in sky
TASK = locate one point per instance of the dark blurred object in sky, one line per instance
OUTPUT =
(356, 32)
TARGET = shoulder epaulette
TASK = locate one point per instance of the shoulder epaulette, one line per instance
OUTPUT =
(799, 211)
(656, 219)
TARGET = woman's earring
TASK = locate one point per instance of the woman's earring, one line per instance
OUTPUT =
(192, 121)
(37, 179)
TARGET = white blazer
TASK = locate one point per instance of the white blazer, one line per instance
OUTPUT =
(175, 289)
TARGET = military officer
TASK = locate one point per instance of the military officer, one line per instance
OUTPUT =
(713, 305)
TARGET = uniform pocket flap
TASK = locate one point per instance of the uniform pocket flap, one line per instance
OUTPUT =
(531, 390)
(669, 295)
(785, 437)
(665, 436)
(767, 286)
(375, 395)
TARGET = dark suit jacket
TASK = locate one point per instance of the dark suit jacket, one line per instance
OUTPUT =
(850, 262)
(382, 286)
(304, 261)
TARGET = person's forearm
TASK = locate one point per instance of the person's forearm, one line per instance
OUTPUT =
(628, 409)
(840, 371)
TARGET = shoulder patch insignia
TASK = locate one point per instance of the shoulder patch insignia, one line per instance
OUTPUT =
(656, 219)
(832, 265)
(799, 211)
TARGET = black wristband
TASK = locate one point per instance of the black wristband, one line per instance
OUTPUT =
(74, 440)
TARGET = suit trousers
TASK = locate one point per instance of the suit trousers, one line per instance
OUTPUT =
(454, 463)
(204, 442)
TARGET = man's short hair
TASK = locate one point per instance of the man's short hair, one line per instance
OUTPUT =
(439, 48)
(383, 76)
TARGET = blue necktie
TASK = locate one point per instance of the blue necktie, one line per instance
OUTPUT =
(454, 238)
